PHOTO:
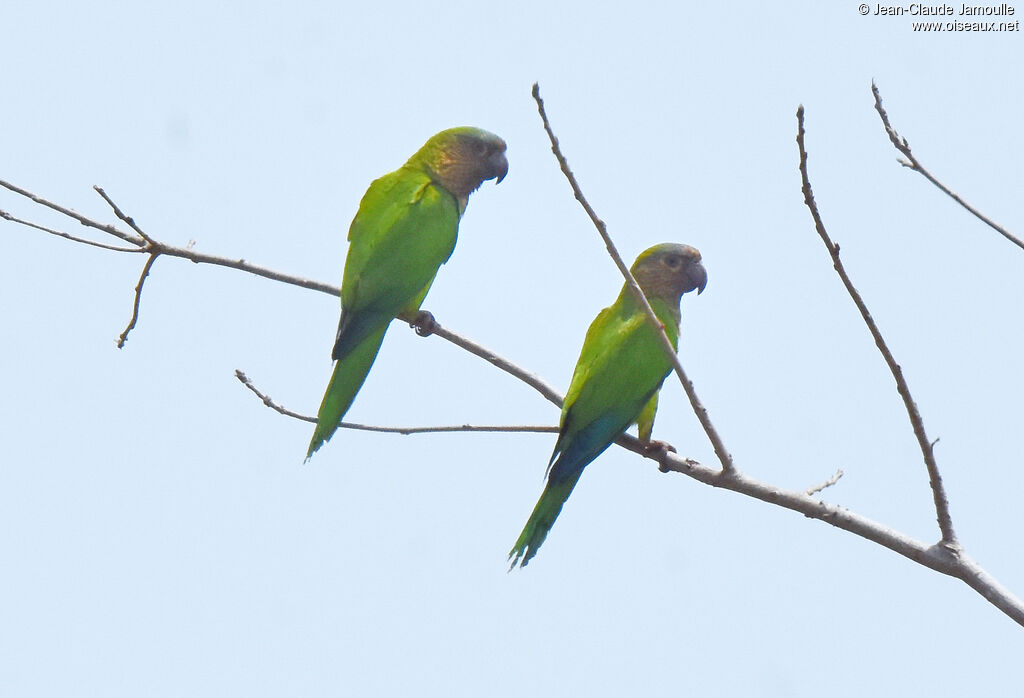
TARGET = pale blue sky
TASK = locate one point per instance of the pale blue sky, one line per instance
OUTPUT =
(159, 534)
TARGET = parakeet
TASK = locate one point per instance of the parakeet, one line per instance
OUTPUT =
(616, 380)
(404, 230)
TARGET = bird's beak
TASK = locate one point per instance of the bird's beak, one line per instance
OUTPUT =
(698, 276)
(499, 164)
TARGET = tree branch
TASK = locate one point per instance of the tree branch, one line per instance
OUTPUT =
(127, 219)
(138, 299)
(937, 557)
(825, 485)
(938, 490)
(388, 430)
(109, 229)
(913, 163)
(67, 236)
(698, 407)
(531, 379)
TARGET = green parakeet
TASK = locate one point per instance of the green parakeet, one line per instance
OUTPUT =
(404, 230)
(616, 380)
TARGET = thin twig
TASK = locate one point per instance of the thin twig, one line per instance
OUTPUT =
(67, 236)
(825, 485)
(103, 227)
(163, 248)
(913, 163)
(138, 299)
(505, 365)
(698, 408)
(390, 430)
(127, 219)
(269, 402)
(242, 265)
(938, 490)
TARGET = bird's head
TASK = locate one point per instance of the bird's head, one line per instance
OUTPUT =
(669, 270)
(461, 159)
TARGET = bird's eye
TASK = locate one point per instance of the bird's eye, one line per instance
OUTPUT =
(673, 262)
(481, 149)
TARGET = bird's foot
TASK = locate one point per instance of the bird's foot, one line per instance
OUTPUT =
(655, 447)
(424, 323)
(657, 450)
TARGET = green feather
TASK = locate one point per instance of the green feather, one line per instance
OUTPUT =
(541, 520)
(349, 374)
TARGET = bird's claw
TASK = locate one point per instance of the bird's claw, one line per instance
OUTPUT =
(654, 446)
(424, 323)
(657, 450)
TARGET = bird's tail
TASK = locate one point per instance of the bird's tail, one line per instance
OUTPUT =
(542, 519)
(349, 373)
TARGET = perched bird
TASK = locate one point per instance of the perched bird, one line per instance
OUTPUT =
(616, 380)
(404, 230)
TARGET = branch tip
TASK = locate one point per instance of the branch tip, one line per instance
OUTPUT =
(127, 219)
(828, 483)
(903, 146)
(938, 490)
(138, 300)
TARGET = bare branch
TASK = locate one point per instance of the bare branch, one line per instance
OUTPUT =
(67, 236)
(127, 219)
(505, 365)
(390, 430)
(109, 229)
(825, 485)
(937, 557)
(698, 407)
(912, 162)
(138, 299)
(938, 490)
(268, 401)
(165, 249)
(242, 265)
